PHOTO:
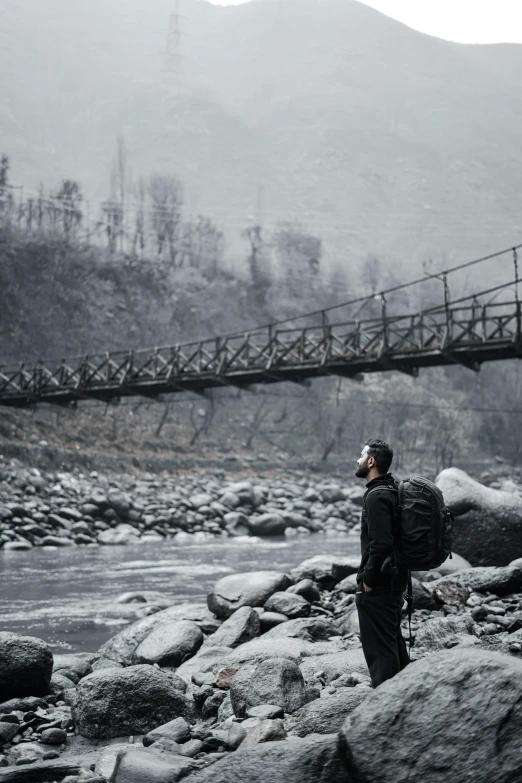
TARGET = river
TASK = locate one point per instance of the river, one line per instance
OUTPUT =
(68, 596)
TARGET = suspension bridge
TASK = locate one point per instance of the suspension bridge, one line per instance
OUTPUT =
(468, 331)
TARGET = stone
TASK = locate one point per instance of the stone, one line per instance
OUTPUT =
(26, 704)
(7, 732)
(212, 704)
(241, 626)
(237, 523)
(422, 596)
(265, 711)
(310, 760)
(326, 570)
(271, 619)
(121, 647)
(26, 665)
(269, 524)
(326, 715)
(332, 494)
(486, 579)
(448, 717)
(450, 593)
(313, 629)
(177, 730)
(132, 764)
(453, 563)
(207, 659)
(119, 501)
(331, 666)
(289, 604)
(119, 702)
(265, 731)
(170, 644)
(224, 677)
(17, 546)
(121, 535)
(488, 522)
(307, 588)
(53, 736)
(276, 681)
(348, 585)
(248, 589)
(439, 633)
(191, 748)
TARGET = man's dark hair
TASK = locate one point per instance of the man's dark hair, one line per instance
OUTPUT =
(381, 453)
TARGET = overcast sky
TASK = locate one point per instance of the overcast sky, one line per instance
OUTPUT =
(469, 21)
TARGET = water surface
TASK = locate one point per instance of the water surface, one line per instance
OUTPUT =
(68, 596)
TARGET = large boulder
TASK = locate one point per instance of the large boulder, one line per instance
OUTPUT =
(488, 522)
(122, 534)
(264, 649)
(170, 644)
(310, 760)
(250, 589)
(444, 632)
(131, 764)
(119, 702)
(242, 626)
(289, 604)
(26, 666)
(448, 717)
(326, 715)
(326, 570)
(269, 524)
(121, 647)
(333, 665)
(312, 629)
(276, 681)
(488, 579)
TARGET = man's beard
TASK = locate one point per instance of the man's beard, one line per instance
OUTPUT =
(362, 471)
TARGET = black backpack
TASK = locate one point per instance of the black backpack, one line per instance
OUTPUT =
(425, 525)
(423, 530)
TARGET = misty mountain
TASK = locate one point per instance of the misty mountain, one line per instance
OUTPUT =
(381, 139)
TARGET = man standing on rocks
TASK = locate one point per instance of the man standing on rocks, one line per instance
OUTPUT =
(380, 592)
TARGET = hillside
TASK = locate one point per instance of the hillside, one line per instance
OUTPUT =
(381, 139)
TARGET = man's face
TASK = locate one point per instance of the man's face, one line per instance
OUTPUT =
(362, 463)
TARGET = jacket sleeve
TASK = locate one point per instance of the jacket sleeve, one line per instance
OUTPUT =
(380, 506)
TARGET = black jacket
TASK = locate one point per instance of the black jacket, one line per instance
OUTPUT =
(377, 532)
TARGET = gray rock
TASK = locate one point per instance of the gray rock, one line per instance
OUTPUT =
(78, 664)
(121, 535)
(269, 524)
(177, 730)
(131, 764)
(348, 623)
(326, 570)
(26, 665)
(264, 648)
(58, 541)
(422, 596)
(452, 564)
(276, 681)
(120, 502)
(7, 732)
(54, 736)
(313, 629)
(121, 647)
(429, 712)
(17, 546)
(310, 760)
(289, 604)
(242, 626)
(326, 715)
(270, 730)
(207, 659)
(487, 579)
(119, 702)
(271, 619)
(443, 632)
(348, 585)
(307, 588)
(265, 711)
(237, 523)
(170, 644)
(191, 748)
(334, 665)
(488, 522)
(250, 589)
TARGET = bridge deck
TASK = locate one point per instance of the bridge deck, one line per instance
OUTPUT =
(467, 335)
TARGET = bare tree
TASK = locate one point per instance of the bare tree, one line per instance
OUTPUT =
(69, 196)
(258, 263)
(166, 195)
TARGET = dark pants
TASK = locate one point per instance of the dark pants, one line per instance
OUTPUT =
(383, 645)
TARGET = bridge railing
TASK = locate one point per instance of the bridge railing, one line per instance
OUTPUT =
(438, 329)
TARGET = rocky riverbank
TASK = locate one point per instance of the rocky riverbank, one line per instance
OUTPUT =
(268, 682)
(66, 509)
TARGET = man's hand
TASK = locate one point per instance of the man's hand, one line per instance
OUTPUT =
(366, 588)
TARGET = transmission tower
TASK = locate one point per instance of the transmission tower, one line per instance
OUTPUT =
(173, 64)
